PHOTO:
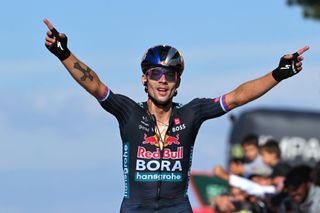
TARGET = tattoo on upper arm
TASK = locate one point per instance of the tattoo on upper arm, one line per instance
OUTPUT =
(86, 72)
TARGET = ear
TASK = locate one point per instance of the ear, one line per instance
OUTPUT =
(178, 82)
(144, 80)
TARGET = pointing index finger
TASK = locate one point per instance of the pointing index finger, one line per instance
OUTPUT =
(302, 50)
(49, 25)
(55, 33)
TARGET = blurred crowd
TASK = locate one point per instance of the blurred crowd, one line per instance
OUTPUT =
(262, 182)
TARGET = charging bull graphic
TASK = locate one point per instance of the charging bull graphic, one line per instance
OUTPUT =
(154, 140)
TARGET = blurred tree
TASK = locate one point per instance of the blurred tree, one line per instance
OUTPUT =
(311, 8)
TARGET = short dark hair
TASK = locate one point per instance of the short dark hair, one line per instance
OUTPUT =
(250, 139)
(298, 175)
(237, 160)
(272, 146)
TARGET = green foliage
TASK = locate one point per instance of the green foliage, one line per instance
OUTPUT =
(311, 8)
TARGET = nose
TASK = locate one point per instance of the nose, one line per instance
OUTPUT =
(163, 78)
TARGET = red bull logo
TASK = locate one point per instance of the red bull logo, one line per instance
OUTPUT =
(169, 140)
(154, 140)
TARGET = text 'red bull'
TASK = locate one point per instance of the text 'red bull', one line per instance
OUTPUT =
(167, 153)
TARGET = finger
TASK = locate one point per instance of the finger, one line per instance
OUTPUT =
(300, 58)
(49, 39)
(62, 35)
(299, 64)
(49, 25)
(303, 50)
(298, 69)
(50, 34)
(48, 44)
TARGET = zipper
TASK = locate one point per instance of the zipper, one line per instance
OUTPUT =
(159, 182)
(162, 150)
(153, 118)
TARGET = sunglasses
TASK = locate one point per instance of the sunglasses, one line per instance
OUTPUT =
(157, 72)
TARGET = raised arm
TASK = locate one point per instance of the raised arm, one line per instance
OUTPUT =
(289, 65)
(250, 187)
(57, 44)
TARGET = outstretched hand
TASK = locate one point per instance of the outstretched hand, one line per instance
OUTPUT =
(289, 65)
(56, 42)
(220, 172)
(297, 58)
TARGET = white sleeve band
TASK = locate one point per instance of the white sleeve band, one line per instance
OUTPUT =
(106, 96)
(223, 104)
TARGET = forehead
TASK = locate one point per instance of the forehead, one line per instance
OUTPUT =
(249, 146)
(265, 152)
(300, 188)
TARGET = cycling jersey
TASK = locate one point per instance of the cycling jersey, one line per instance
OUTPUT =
(156, 180)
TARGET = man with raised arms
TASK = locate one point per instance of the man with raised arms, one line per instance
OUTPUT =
(158, 135)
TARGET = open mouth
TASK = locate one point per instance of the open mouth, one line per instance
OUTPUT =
(162, 91)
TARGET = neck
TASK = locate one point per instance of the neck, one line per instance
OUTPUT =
(161, 112)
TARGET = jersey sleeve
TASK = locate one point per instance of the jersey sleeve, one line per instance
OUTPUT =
(207, 108)
(116, 104)
(203, 109)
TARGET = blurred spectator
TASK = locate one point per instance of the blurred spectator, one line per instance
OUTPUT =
(250, 145)
(237, 194)
(253, 161)
(271, 155)
(302, 192)
(246, 195)
(280, 203)
(236, 166)
(315, 174)
(237, 201)
(223, 204)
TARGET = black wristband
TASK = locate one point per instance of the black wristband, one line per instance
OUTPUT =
(286, 68)
(59, 48)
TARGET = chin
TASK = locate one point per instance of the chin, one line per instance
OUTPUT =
(161, 101)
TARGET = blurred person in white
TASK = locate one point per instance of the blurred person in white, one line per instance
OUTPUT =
(259, 185)
(255, 189)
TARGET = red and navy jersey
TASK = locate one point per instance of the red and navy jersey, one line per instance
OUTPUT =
(149, 171)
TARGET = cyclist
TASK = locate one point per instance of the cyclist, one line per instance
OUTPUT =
(158, 135)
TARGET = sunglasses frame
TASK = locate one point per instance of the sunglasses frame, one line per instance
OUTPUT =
(163, 71)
